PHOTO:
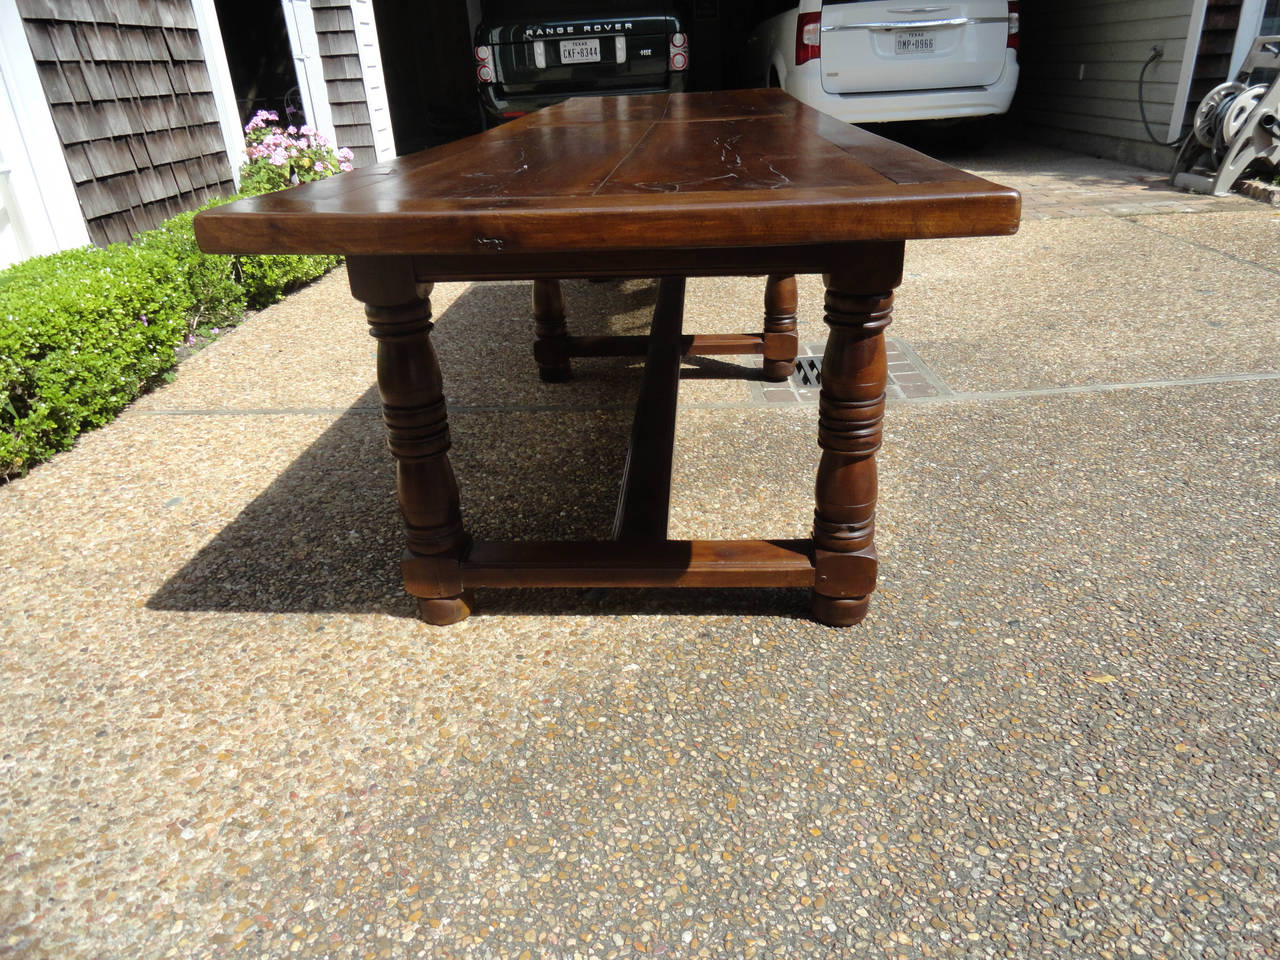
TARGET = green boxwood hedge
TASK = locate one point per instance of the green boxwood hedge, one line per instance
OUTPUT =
(83, 332)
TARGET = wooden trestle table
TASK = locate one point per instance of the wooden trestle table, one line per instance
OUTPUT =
(740, 183)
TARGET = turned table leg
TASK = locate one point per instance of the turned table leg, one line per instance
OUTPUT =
(780, 340)
(399, 314)
(859, 302)
(551, 348)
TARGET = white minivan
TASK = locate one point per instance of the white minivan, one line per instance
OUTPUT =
(872, 61)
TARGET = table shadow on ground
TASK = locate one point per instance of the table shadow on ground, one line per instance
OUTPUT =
(485, 339)
(326, 535)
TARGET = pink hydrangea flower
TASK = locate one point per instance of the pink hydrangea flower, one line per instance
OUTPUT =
(260, 119)
(299, 152)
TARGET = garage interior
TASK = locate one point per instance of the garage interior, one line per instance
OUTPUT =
(1078, 87)
(427, 57)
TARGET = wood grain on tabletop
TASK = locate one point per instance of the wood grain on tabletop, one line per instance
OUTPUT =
(752, 167)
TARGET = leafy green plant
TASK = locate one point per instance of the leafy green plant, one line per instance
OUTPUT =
(280, 157)
(81, 333)
(266, 278)
(217, 298)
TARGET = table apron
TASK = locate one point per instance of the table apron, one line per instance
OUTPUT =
(881, 258)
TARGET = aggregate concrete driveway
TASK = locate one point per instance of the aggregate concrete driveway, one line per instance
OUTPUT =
(1057, 734)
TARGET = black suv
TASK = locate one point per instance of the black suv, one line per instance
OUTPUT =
(529, 54)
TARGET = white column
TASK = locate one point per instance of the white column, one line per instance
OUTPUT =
(1251, 12)
(308, 66)
(224, 95)
(375, 84)
(42, 205)
(1187, 69)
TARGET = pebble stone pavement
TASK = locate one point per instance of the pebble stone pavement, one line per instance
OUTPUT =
(222, 733)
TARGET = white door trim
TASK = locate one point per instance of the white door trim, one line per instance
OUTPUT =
(1188, 69)
(301, 24)
(1251, 12)
(375, 84)
(224, 94)
(40, 180)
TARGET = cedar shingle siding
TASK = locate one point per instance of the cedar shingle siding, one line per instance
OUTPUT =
(133, 105)
(340, 55)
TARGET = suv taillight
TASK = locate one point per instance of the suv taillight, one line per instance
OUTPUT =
(677, 52)
(1014, 24)
(808, 37)
(484, 64)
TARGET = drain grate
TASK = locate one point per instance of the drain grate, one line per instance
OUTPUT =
(909, 377)
(808, 373)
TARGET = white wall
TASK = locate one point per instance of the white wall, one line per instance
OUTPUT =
(224, 94)
(301, 25)
(375, 83)
(40, 210)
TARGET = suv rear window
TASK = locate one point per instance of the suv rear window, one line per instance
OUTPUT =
(529, 55)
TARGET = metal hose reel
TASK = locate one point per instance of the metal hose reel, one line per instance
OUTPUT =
(1234, 126)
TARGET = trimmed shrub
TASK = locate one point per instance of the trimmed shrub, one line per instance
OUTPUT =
(81, 334)
(222, 286)
(266, 278)
(84, 332)
(280, 157)
(217, 298)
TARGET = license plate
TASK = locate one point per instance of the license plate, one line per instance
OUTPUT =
(580, 51)
(907, 42)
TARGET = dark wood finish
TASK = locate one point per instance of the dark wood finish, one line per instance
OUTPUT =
(780, 340)
(704, 171)
(550, 349)
(691, 345)
(646, 477)
(859, 305)
(639, 563)
(723, 344)
(741, 183)
(398, 308)
(659, 262)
